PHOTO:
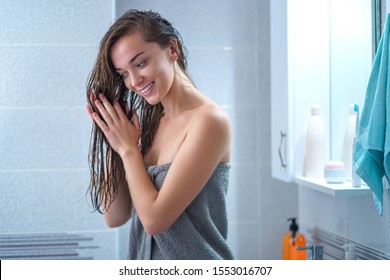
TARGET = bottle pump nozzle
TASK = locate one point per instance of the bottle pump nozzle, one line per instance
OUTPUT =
(293, 227)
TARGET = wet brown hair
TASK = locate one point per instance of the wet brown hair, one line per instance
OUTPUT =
(105, 164)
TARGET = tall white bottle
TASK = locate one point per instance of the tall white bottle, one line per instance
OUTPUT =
(356, 180)
(315, 155)
(348, 141)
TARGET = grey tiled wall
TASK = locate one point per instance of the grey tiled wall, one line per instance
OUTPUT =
(47, 49)
(354, 217)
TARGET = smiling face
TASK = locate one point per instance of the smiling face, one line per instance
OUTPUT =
(146, 68)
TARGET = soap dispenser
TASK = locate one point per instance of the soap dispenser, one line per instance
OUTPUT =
(291, 241)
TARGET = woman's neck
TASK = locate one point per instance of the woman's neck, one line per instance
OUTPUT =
(182, 96)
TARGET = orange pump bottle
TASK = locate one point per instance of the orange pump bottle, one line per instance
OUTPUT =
(291, 241)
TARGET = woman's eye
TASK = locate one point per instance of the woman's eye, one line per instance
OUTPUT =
(122, 75)
(141, 64)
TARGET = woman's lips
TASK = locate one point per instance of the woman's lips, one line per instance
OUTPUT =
(146, 90)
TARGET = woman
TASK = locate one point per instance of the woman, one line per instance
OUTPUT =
(166, 168)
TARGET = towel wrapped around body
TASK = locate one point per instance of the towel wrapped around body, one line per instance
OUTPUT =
(199, 233)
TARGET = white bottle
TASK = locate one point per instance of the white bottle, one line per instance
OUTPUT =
(356, 180)
(348, 141)
(315, 145)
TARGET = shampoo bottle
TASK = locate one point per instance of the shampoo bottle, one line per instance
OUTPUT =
(315, 145)
(291, 241)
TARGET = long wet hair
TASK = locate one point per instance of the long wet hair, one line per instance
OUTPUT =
(105, 164)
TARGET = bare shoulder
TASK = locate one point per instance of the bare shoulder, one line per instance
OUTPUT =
(211, 127)
(213, 119)
(213, 116)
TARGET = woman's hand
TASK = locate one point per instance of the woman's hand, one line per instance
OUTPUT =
(122, 135)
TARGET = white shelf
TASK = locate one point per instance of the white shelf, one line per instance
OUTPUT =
(344, 189)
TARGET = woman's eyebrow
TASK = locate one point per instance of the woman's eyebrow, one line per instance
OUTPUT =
(132, 60)
(135, 57)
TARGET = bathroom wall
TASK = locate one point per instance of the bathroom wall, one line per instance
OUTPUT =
(47, 49)
(228, 45)
(355, 218)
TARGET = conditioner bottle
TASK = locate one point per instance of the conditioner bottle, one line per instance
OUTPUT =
(315, 145)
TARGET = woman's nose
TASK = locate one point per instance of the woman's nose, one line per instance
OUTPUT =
(134, 79)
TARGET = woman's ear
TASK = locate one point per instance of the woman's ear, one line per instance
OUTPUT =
(174, 50)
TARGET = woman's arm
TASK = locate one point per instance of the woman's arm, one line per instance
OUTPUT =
(206, 143)
(119, 211)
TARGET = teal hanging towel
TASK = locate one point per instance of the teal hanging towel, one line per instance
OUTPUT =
(371, 159)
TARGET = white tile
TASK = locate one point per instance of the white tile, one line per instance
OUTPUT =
(222, 23)
(262, 23)
(272, 236)
(364, 224)
(213, 73)
(242, 198)
(245, 240)
(47, 137)
(278, 200)
(45, 75)
(322, 210)
(245, 134)
(55, 200)
(53, 22)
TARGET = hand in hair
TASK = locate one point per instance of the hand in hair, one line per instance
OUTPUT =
(122, 135)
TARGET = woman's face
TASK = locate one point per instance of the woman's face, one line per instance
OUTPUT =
(146, 68)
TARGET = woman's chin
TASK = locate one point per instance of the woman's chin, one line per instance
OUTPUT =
(152, 101)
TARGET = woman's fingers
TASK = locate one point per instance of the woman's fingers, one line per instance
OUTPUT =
(136, 120)
(108, 108)
(92, 100)
(103, 126)
(94, 116)
(127, 109)
(105, 115)
(89, 110)
(119, 111)
(121, 134)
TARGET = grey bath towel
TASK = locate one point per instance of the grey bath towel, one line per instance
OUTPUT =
(199, 233)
